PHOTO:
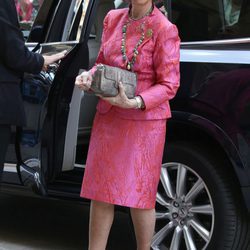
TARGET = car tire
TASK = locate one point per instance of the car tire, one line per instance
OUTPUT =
(199, 205)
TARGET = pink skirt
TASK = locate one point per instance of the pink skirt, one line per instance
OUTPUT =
(124, 161)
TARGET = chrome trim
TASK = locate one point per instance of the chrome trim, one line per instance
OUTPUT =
(68, 21)
(215, 56)
(80, 165)
(31, 44)
(74, 18)
(10, 167)
(70, 144)
(218, 42)
(55, 47)
(59, 43)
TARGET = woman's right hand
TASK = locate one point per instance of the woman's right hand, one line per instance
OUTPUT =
(83, 81)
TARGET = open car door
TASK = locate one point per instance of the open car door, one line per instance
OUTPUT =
(39, 146)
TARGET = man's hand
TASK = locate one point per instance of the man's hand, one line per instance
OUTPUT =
(53, 58)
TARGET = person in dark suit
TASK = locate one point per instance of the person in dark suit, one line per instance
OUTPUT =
(15, 59)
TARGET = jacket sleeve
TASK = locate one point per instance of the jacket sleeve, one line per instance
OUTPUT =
(13, 52)
(166, 61)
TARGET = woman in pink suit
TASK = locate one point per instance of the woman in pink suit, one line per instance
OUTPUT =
(24, 10)
(128, 135)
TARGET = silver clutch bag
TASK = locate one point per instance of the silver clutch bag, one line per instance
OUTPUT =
(106, 78)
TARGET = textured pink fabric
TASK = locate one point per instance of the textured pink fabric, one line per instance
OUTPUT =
(157, 64)
(124, 161)
(24, 12)
(126, 146)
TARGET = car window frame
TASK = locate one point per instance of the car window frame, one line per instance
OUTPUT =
(48, 19)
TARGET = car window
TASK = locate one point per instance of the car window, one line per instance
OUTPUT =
(27, 11)
(94, 41)
(79, 11)
(77, 17)
(211, 19)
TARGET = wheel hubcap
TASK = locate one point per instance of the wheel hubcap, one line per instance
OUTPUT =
(184, 211)
(179, 211)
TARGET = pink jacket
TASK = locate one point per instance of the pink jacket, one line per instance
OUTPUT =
(28, 6)
(157, 65)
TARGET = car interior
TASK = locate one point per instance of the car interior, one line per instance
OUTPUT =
(83, 104)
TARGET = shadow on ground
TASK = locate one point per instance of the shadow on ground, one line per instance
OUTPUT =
(32, 223)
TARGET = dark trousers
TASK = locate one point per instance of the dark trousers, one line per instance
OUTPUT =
(5, 132)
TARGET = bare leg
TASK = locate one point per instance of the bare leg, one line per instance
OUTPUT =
(144, 224)
(101, 219)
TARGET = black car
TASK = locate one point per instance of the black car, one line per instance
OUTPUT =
(203, 200)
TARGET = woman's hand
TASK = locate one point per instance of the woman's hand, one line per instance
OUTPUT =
(121, 100)
(53, 58)
(83, 81)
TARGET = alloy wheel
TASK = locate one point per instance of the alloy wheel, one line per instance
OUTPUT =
(184, 210)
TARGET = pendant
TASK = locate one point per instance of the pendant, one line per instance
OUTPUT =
(149, 33)
(128, 66)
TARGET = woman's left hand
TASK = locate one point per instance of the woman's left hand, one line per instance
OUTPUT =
(121, 100)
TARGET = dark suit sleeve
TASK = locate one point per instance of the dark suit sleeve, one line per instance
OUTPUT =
(13, 52)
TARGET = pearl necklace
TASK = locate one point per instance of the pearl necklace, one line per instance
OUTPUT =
(130, 64)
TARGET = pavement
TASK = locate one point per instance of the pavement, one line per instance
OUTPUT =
(42, 224)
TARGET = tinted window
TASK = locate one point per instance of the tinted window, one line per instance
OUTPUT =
(199, 20)
(77, 19)
(27, 11)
